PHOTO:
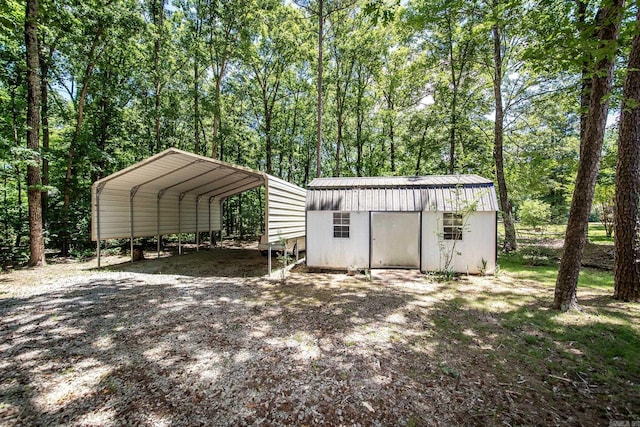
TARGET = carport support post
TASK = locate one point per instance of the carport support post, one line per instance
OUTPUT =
(210, 232)
(269, 258)
(132, 194)
(197, 234)
(160, 194)
(158, 225)
(98, 190)
(180, 223)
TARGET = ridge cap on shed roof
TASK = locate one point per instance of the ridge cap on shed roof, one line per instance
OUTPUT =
(399, 181)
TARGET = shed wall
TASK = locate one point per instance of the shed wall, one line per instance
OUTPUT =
(325, 251)
(478, 243)
(285, 216)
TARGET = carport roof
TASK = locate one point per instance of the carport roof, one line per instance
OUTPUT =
(147, 198)
(184, 173)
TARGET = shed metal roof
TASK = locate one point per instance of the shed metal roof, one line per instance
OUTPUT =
(446, 193)
(398, 181)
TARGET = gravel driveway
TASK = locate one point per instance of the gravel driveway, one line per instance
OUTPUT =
(130, 348)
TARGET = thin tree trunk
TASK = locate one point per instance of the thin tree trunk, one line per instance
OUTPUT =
(585, 89)
(510, 243)
(44, 108)
(452, 132)
(625, 267)
(319, 88)
(6, 208)
(36, 256)
(158, 15)
(217, 112)
(196, 107)
(336, 171)
(391, 133)
(423, 137)
(267, 131)
(608, 24)
(359, 123)
(16, 142)
(66, 240)
(294, 130)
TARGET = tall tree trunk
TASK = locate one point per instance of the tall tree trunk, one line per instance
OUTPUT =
(44, 109)
(217, 113)
(36, 256)
(423, 137)
(339, 123)
(391, 132)
(196, 107)
(88, 72)
(585, 85)
(319, 125)
(510, 243)
(158, 16)
(452, 131)
(608, 24)
(625, 267)
(16, 142)
(269, 149)
(294, 130)
(359, 123)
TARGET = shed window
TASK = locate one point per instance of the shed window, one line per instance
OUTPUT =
(452, 226)
(341, 224)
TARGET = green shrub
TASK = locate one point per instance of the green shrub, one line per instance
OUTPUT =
(535, 214)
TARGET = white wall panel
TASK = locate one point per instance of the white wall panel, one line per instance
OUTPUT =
(326, 251)
(478, 243)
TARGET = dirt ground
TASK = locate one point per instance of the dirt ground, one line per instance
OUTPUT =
(204, 339)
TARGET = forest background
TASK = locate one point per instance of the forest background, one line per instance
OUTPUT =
(407, 88)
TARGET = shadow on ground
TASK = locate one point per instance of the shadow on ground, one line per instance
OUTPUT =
(122, 348)
(216, 262)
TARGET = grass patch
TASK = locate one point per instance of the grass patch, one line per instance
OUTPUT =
(518, 265)
(594, 348)
(596, 232)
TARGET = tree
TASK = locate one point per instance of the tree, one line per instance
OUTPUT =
(36, 255)
(627, 247)
(608, 21)
(322, 11)
(449, 30)
(510, 242)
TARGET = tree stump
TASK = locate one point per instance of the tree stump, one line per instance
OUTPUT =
(138, 253)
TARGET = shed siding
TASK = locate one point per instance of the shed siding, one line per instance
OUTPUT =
(325, 251)
(478, 243)
(285, 216)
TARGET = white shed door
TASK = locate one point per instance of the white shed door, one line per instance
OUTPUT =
(395, 239)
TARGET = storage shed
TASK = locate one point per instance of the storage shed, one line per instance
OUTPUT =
(178, 192)
(429, 223)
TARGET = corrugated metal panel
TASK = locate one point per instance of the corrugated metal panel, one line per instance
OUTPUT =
(404, 199)
(398, 181)
(285, 216)
(150, 192)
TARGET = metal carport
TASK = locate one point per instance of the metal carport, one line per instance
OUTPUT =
(178, 192)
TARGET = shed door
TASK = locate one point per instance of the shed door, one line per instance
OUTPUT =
(395, 239)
